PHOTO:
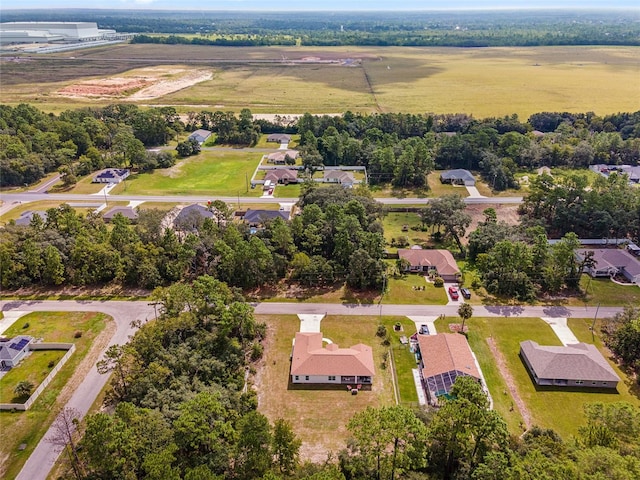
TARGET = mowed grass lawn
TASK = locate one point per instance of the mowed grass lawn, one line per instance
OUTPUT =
(319, 416)
(28, 427)
(33, 368)
(209, 173)
(550, 408)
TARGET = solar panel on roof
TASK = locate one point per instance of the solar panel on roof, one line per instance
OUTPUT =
(20, 345)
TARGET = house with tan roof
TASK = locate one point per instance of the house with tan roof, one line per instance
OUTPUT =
(339, 176)
(577, 365)
(282, 175)
(311, 363)
(443, 358)
(280, 157)
(438, 263)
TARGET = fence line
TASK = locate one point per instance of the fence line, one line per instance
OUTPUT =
(70, 347)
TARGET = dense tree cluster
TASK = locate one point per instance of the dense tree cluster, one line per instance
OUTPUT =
(605, 208)
(229, 129)
(622, 336)
(426, 28)
(78, 142)
(337, 237)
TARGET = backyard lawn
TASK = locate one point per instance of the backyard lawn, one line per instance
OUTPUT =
(548, 407)
(319, 416)
(33, 368)
(604, 292)
(28, 427)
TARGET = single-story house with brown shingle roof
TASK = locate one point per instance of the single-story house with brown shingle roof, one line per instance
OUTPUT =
(577, 365)
(313, 363)
(282, 175)
(443, 358)
(280, 157)
(433, 262)
(279, 138)
(612, 261)
(339, 176)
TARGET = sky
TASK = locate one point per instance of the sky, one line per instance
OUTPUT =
(296, 5)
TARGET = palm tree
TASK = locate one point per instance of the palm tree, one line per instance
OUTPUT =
(23, 389)
(465, 312)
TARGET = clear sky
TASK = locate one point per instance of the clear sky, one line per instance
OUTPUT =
(293, 5)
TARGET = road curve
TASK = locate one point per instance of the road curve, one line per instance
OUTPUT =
(45, 455)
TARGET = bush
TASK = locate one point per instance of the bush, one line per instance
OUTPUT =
(77, 334)
(256, 351)
(26, 325)
(51, 364)
(438, 282)
(382, 331)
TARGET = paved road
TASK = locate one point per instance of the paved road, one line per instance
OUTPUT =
(45, 455)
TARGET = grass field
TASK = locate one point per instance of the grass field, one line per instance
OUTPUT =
(393, 223)
(28, 427)
(209, 173)
(401, 79)
(548, 407)
(34, 368)
(319, 417)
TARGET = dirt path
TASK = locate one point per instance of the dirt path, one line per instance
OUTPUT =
(511, 384)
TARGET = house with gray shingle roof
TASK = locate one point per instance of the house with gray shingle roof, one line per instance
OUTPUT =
(282, 175)
(200, 136)
(14, 350)
(127, 212)
(458, 177)
(339, 176)
(111, 175)
(279, 138)
(26, 217)
(577, 365)
(608, 262)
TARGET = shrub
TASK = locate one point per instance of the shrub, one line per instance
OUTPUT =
(51, 364)
(438, 282)
(77, 334)
(382, 331)
(26, 325)
(256, 351)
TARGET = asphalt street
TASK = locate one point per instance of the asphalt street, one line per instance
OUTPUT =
(45, 455)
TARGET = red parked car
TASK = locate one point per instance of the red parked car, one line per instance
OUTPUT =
(453, 293)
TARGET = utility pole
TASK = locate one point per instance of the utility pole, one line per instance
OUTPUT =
(593, 325)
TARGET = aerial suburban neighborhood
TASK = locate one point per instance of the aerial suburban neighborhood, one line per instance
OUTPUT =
(278, 244)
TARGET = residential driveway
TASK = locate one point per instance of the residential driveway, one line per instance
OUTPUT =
(451, 301)
(10, 318)
(473, 192)
(310, 323)
(426, 320)
(560, 328)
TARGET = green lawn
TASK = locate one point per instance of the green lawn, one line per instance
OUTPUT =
(439, 189)
(319, 416)
(209, 173)
(548, 407)
(28, 427)
(405, 361)
(400, 290)
(393, 222)
(34, 368)
(604, 292)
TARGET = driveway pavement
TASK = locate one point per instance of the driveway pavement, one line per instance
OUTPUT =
(473, 192)
(560, 328)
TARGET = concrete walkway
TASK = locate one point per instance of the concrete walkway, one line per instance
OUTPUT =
(426, 320)
(422, 397)
(310, 323)
(560, 328)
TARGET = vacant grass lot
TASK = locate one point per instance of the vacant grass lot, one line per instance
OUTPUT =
(209, 173)
(400, 79)
(549, 407)
(393, 223)
(319, 417)
(28, 427)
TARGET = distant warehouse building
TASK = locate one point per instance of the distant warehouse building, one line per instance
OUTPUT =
(43, 32)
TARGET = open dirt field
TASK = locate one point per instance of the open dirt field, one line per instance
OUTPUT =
(481, 81)
(140, 84)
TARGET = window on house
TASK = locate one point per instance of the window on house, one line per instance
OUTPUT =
(297, 377)
(332, 378)
(579, 382)
(306, 377)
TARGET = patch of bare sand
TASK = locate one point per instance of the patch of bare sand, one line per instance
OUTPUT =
(164, 87)
(505, 213)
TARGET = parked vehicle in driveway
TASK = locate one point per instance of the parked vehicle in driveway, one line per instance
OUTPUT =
(424, 329)
(453, 293)
(465, 292)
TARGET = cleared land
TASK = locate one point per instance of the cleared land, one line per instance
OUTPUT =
(319, 417)
(28, 427)
(325, 80)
